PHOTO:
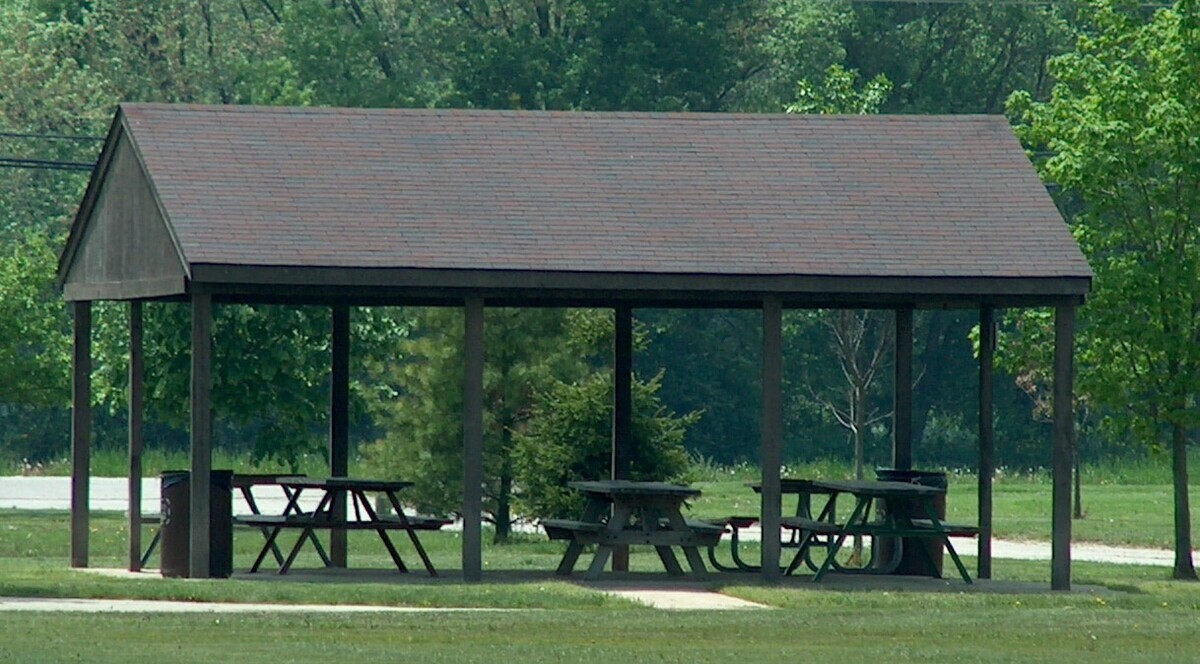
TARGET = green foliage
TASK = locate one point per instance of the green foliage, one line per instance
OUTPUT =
(1122, 127)
(34, 350)
(270, 368)
(956, 58)
(602, 55)
(839, 92)
(418, 402)
(569, 438)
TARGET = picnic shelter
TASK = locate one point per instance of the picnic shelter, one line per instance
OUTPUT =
(208, 205)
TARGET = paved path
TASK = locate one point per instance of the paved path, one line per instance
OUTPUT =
(162, 606)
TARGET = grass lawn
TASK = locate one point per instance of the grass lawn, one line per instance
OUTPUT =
(1117, 514)
(1137, 615)
(1134, 614)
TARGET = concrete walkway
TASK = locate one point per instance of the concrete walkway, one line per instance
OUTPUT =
(164, 606)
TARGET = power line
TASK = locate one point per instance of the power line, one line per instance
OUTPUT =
(51, 137)
(44, 164)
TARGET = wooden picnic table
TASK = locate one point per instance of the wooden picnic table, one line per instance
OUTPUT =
(623, 513)
(898, 523)
(351, 492)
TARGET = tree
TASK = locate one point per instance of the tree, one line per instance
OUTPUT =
(629, 55)
(959, 57)
(34, 347)
(418, 402)
(569, 438)
(1121, 125)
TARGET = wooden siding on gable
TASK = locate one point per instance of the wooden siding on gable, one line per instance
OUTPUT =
(126, 250)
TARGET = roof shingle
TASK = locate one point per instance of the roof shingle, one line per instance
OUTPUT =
(721, 194)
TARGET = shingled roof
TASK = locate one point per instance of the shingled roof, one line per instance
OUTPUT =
(624, 204)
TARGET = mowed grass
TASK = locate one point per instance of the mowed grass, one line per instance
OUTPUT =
(1131, 614)
(1131, 511)
(1119, 613)
(840, 628)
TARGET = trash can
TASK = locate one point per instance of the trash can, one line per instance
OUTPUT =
(175, 542)
(912, 562)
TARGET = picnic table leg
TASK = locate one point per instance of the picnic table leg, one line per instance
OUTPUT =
(937, 526)
(620, 519)
(828, 513)
(841, 538)
(266, 532)
(412, 535)
(801, 557)
(591, 513)
(603, 551)
(669, 561)
(739, 564)
(266, 547)
(691, 553)
(567, 565)
(293, 506)
(291, 558)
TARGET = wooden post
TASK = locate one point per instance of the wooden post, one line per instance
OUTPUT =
(200, 536)
(987, 464)
(772, 435)
(472, 542)
(902, 458)
(622, 418)
(1064, 433)
(81, 431)
(339, 422)
(136, 377)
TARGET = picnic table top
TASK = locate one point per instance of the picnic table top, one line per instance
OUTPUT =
(256, 479)
(634, 488)
(792, 485)
(878, 489)
(350, 483)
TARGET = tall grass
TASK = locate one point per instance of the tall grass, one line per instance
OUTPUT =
(1151, 469)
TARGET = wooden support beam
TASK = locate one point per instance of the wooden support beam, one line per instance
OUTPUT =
(136, 378)
(81, 431)
(902, 457)
(623, 451)
(772, 435)
(987, 462)
(472, 541)
(200, 479)
(1064, 440)
(339, 421)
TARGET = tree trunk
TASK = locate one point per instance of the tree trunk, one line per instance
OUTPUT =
(1078, 488)
(1184, 567)
(860, 423)
(504, 496)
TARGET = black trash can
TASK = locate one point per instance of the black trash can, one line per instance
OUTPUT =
(912, 562)
(175, 542)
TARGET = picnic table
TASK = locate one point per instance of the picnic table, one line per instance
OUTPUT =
(890, 522)
(246, 482)
(803, 490)
(623, 513)
(345, 491)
